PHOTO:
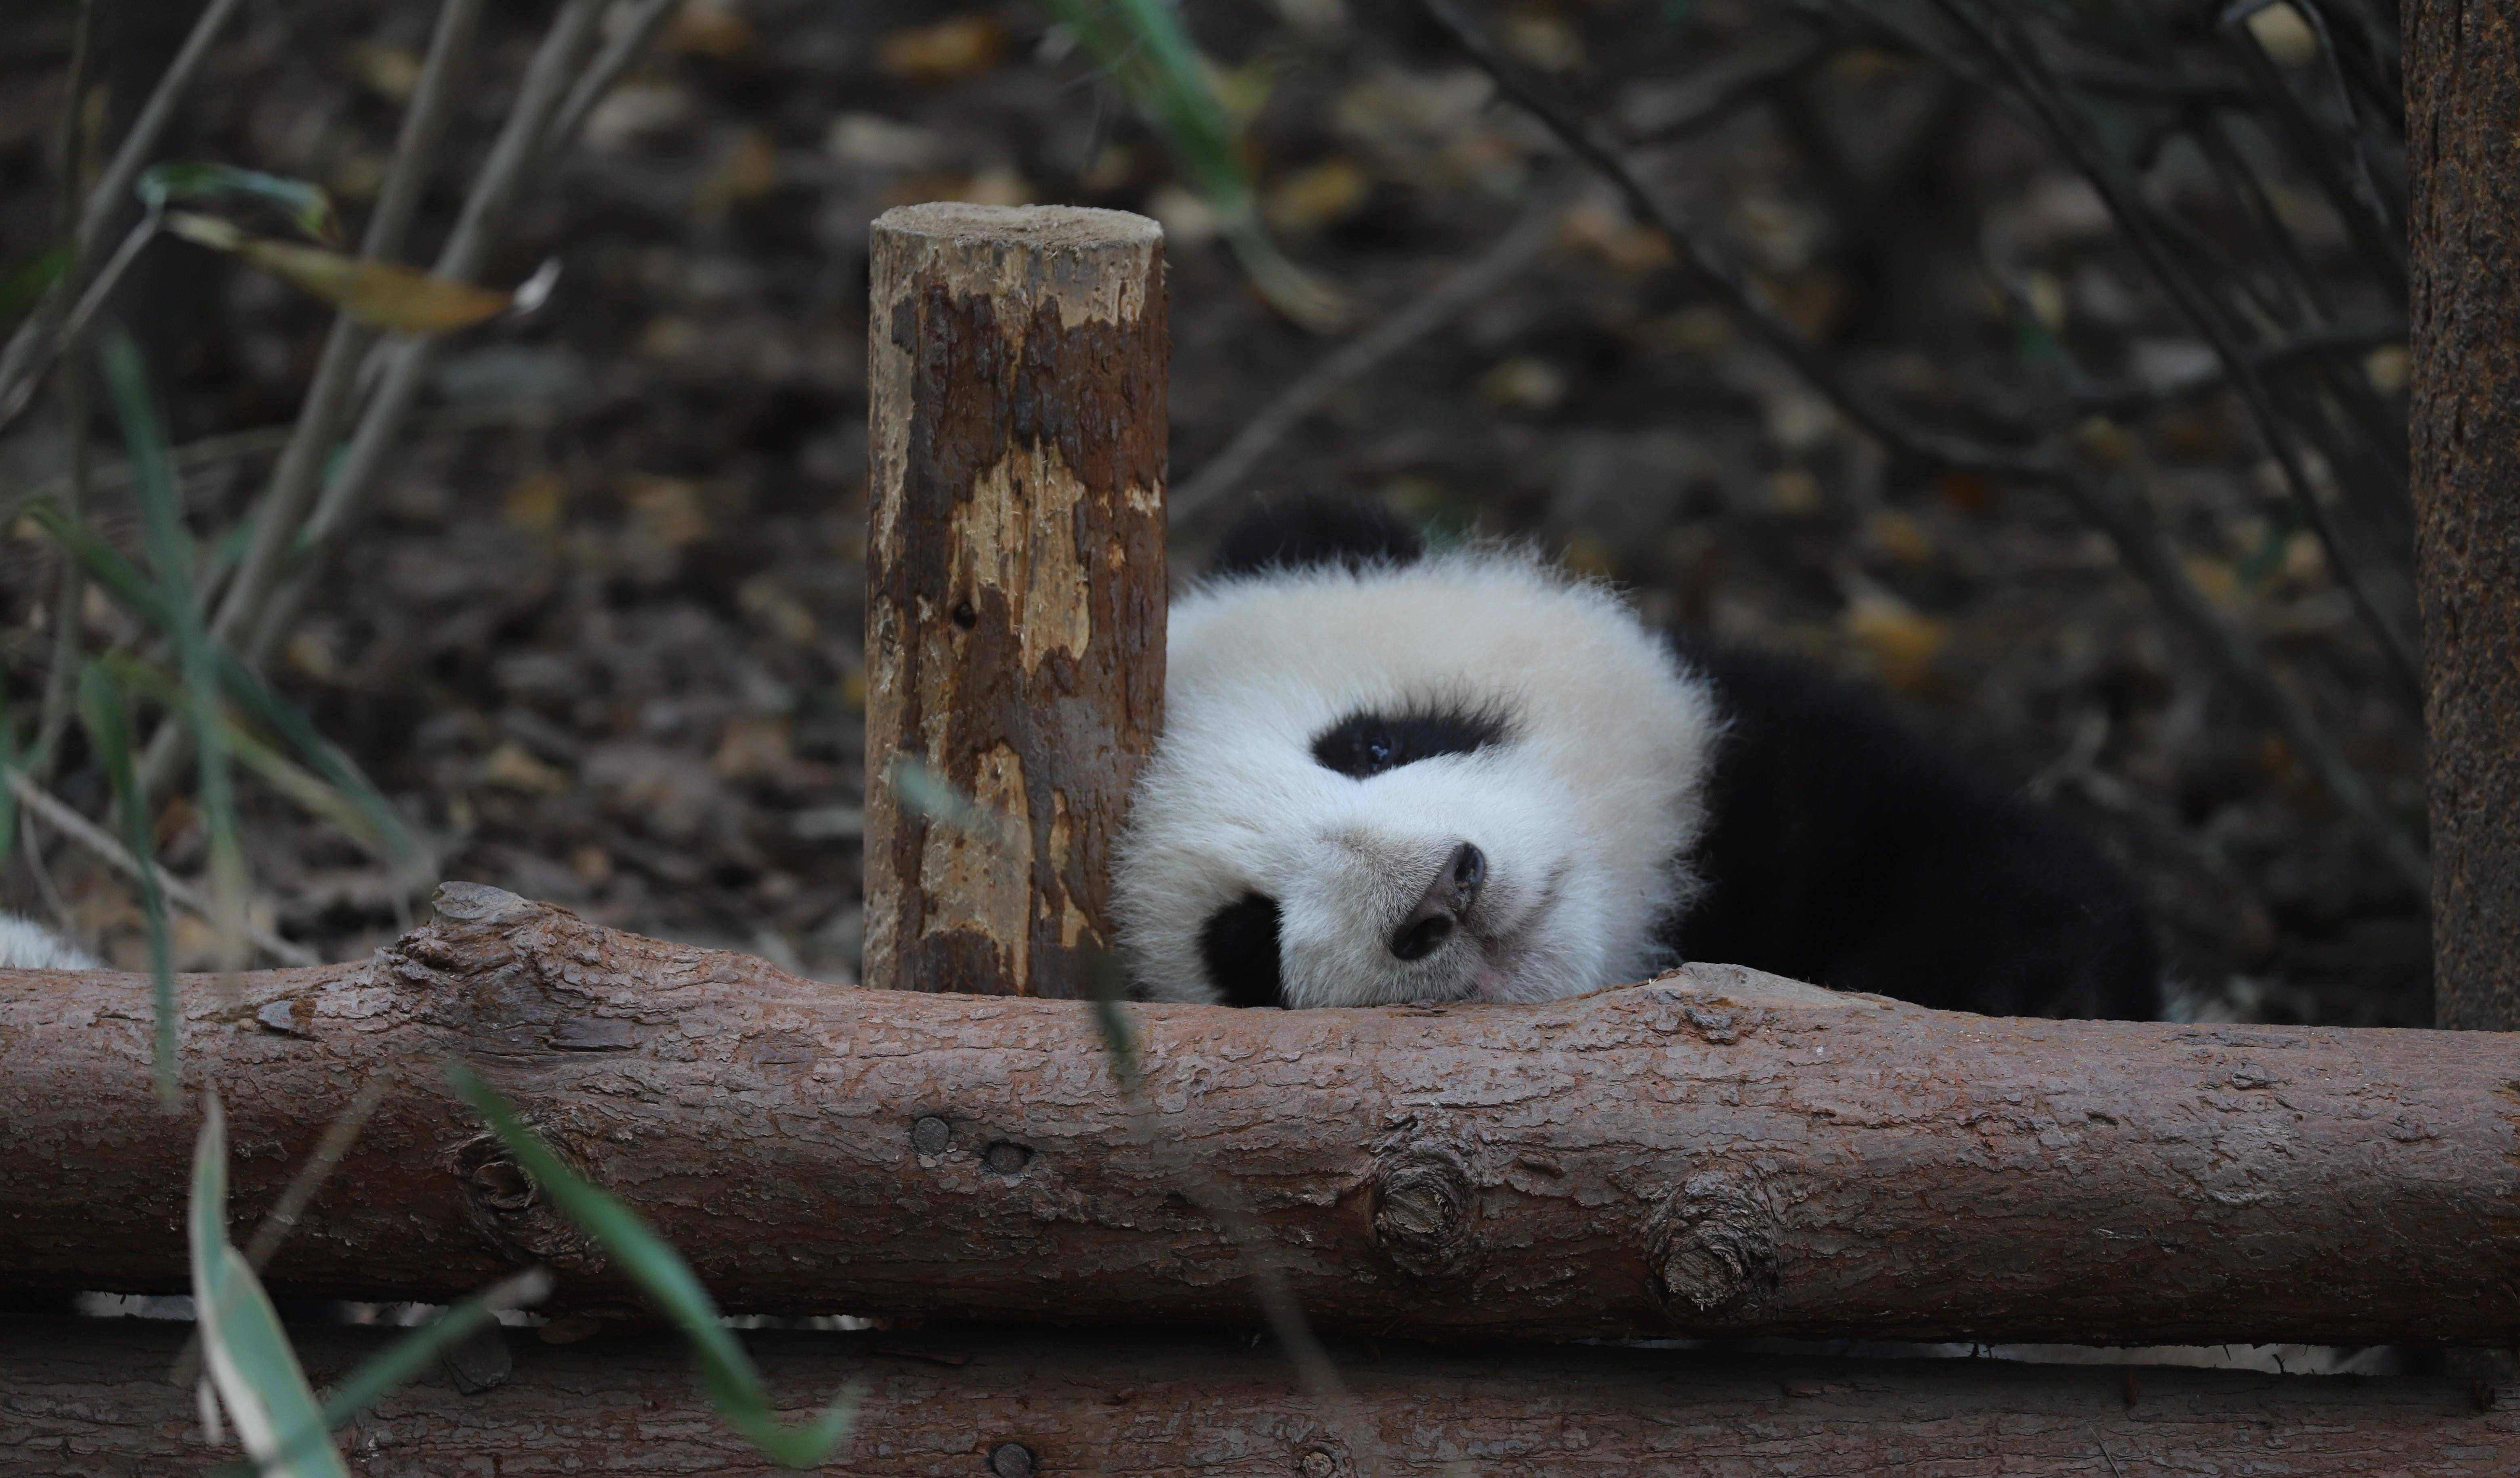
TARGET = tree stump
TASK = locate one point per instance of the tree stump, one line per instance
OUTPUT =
(1014, 585)
(2463, 147)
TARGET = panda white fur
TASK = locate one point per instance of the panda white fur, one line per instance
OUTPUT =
(1392, 776)
(25, 945)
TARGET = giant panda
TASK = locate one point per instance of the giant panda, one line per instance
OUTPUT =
(1393, 775)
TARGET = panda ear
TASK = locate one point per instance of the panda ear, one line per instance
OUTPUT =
(1303, 533)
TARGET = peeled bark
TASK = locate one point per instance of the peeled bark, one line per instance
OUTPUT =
(1014, 585)
(2463, 66)
(1715, 1152)
(90, 1398)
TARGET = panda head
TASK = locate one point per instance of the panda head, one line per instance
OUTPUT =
(1390, 776)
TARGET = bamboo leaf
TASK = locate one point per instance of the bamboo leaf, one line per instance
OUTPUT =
(106, 713)
(381, 294)
(727, 1373)
(1141, 46)
(170, 550)
(248, 1354)
(280, 718)
(109, 567)
(398, 1363)
(10, 763)
(319, 797)
(307, 207)
(30, 281)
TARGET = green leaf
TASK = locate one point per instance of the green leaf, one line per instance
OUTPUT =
(106, 713)
(170, 551)
(307, 207)
(318, 797)
(109, 567)
(1141, 46)
(11, 765)
(282, 719)
(727, 1373)
(259, 1381)
(1109, 991)
(242, 688)
(30, 281)
(398, 1363)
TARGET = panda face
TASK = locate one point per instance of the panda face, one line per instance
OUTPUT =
(1462, 778)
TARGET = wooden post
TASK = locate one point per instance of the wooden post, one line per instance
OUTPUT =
(1014, 585)
(2463, 69)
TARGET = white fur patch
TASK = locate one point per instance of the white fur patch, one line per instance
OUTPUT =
(1584, 811)
(28, 946)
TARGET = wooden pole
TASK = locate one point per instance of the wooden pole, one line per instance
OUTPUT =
(1714, 1153)
(90, 1398)
(1014, 585)
(2462, 71)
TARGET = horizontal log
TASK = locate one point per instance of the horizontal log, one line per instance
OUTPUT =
(1715, 1152)
(90, 1398)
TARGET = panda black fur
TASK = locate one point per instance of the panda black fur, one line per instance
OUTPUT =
(1388, 775)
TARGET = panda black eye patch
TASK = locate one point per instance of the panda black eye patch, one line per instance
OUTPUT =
(1239, 946)
(1366, 744)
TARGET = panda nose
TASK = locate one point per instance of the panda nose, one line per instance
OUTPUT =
(1450, 896)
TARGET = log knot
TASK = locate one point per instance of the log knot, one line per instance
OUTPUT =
(1424, 1208)
(478, 903)
(1714, 1249)
(509, 1211)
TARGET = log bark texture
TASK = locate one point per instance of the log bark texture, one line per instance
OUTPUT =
(90, 1398)
(1714, 1152)
(2463, 69)
(1014, 585)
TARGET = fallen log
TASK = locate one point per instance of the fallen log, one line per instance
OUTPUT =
(90, 1398)
(1714, 1152)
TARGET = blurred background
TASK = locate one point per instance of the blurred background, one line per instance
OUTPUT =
(2040, 365)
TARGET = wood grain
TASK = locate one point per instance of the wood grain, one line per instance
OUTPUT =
(89, 1399)
(1014, 583)
(1714, 1152)
(2462, 67)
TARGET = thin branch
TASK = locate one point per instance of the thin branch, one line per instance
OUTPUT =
(262, 440)
(1720, 272)
(627, 42)
(24, 361)
(2355, 198)
(299, 474)
(254, 628)
(1474, 280)
(101, 843)
(535, 131)
(2215, 90)
(2108, 177)
(1717, 92)
(2309, 343)
(2139, 539)
(54, 904)
(70, 610)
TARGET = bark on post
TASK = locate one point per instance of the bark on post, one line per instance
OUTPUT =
(2463, 69)
(90, 1398)
(1716, 1152)
(1014, 585)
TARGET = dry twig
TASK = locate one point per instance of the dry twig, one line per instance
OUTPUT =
(101, 843)
(1475, 280)
(36, 342)
(2109, 505)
